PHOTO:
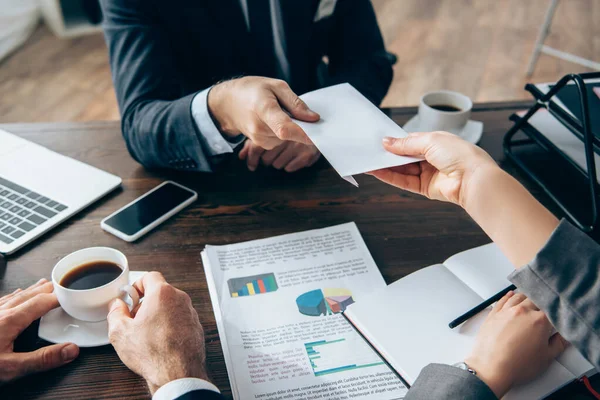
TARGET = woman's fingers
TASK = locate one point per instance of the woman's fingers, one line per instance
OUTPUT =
(408, 169)
(516, 299)
(416, 144)
(502, 302)
(411, 183)
(556, 345)
(529, 304)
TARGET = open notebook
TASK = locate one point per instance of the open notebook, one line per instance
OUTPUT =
(407, 323)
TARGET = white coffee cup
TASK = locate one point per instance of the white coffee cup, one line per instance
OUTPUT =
(431, 119)
(91, 305)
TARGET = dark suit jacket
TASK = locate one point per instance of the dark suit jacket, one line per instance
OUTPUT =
(162, 53)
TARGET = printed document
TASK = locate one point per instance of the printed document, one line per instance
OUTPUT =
(278, 305)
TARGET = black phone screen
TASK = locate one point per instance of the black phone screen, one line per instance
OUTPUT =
(148, 209)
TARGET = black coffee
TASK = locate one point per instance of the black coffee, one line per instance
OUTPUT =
(91, 275)
(445, 107)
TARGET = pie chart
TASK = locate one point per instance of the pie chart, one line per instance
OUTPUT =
(320, 302)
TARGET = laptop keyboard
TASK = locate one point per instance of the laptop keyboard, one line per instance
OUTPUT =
(21, 210)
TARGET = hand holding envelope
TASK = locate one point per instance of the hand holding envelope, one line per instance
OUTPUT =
(350, 131)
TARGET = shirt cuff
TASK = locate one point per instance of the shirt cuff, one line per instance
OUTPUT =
(215, 143)
(179, 387)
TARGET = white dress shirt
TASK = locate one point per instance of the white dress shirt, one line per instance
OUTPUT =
(179, 387)
(216, 143)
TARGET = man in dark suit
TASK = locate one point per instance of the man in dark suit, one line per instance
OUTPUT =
(194, 79)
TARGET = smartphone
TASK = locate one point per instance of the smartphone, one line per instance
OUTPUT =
(148, 211)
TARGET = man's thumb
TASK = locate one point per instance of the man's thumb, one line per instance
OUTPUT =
(46, 358)
(117, 310)
(294, 104)
(300, 110)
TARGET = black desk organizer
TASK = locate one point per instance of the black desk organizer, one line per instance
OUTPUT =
(581, 129)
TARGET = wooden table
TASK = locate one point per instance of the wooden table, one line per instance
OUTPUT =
(403, 232)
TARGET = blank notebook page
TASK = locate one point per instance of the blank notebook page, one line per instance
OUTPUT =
(408, 324)
(484, 269)
(411, 327)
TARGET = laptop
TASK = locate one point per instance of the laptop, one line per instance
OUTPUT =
(39, 189)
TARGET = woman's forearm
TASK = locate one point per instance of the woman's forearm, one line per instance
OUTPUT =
(508, 213)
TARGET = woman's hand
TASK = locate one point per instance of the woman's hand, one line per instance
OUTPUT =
(449, 164)
(459, 172)
(515, 344)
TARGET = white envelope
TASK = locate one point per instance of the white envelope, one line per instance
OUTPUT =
(350, 132)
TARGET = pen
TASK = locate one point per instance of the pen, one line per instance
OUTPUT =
(482, 306)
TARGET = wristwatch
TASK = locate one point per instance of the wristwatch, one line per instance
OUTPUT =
(463, 365)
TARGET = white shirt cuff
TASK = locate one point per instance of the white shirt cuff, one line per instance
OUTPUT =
(179, 387)
(215, 143)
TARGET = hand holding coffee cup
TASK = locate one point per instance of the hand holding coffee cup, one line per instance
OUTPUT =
(444, 110)
(86, 281)
(145, 341)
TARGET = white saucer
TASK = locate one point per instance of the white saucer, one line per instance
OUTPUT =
(59, 327)
(471, 132)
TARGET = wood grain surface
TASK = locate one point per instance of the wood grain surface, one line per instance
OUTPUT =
(403, 232)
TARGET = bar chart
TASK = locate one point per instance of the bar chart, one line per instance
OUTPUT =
(332, 356)
(252, 285)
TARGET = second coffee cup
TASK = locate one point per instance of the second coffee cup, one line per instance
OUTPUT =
(444, 110)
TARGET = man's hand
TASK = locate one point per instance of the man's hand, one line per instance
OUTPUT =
(514, 345)
(259, 107)
(290, 156)
(17, 311)
(162, 340)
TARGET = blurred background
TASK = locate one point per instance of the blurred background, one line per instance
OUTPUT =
(54, 63)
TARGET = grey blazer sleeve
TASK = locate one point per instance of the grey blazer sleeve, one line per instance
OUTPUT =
(157, 122)
(444, 382)
(563, 281)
